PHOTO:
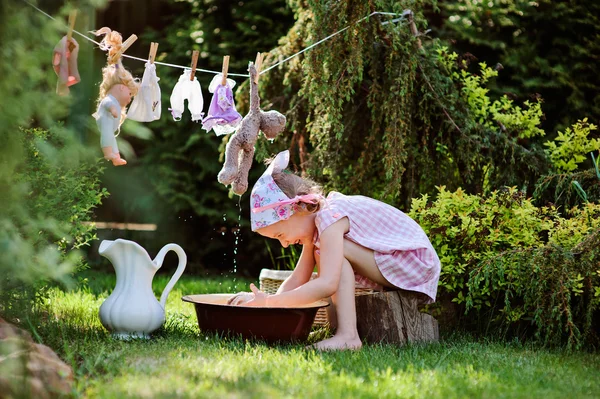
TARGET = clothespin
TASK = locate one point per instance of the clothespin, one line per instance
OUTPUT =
(194, 62)
(258, 66)
(413, 28)
(152, 54)
(224, 70)
(72, 18)
(126, 44)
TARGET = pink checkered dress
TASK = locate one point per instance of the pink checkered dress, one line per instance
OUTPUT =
(402, 250)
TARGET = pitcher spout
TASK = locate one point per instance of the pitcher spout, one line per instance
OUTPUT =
(104, 247)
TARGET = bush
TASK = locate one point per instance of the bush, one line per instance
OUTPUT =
(512, 263)
(47, 218)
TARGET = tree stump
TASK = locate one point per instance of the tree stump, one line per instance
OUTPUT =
(393, 317)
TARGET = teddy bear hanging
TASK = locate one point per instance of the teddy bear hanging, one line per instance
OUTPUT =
(271, 123)
(116, 90)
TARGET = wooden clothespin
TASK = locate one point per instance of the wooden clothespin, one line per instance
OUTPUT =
(414, 30)
(194, 62)
(224, 70)
(128, 43)
(258, 66)
(152, 54)
(72, 18)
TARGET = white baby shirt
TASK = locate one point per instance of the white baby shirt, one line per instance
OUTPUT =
(108, 124)
(187, 89)
(145, 107)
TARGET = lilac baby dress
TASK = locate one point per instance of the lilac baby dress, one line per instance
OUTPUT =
(222, 116)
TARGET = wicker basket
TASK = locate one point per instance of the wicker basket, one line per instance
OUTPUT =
(270, 280)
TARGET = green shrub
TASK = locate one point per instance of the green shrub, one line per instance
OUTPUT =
(510, 262)
(466, 229)
(48, 218)
(571, 148)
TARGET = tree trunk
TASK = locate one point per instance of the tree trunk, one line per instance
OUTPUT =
(393, 317)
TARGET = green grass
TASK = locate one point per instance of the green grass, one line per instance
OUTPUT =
(180, 362)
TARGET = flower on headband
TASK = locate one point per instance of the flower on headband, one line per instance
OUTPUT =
(284, 212)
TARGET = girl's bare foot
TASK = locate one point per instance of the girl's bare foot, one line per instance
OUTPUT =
(338, 342)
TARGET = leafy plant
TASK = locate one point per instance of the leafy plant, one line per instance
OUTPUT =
(503, 113)
(569, 149)
(547, 48)
(47, 185)
(512, 263)
(54, 216)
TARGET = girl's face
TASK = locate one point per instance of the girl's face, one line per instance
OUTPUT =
(298, 229)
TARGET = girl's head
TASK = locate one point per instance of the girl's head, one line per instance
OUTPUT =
(283, 205)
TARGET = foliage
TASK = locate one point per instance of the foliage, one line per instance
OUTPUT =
(55, 219)
(370, 113)
(557, 288)
(466, 229)
(511, 118)
(567, 189)
(68, 195)
(560, 190)
(47, 188)
(501, 249)
(547, 48)
(569, 149)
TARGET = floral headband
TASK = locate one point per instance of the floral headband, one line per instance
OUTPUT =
(268, 203)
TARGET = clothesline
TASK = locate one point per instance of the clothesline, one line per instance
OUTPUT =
(402, 16)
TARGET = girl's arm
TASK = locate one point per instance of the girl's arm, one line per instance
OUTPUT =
(303, 270)
(332, 256)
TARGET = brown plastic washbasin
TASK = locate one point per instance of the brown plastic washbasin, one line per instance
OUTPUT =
(289, 324)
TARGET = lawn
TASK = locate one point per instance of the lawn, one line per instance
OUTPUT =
(182, 362)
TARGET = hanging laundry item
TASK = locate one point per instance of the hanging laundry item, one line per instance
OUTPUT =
(189, 90)
(145, 107)
(64, 61)
(222, 117)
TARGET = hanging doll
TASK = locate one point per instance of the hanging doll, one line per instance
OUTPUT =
(240, 148)
(116, 90)
(64, 62)
(186, 89)
(222, 117)
(145, 107)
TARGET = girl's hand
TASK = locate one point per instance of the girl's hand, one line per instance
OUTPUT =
(241, 298)
(260, 298)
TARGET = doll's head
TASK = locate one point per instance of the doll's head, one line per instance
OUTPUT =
(278, 196)
(114, 73)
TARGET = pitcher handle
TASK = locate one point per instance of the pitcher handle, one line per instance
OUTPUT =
(180, 268)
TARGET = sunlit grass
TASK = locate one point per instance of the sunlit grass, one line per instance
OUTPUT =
(179, 361)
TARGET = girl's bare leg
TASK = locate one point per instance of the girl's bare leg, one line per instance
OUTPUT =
(363, 262)
(346, 335)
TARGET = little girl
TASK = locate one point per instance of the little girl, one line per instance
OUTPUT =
(351, 239)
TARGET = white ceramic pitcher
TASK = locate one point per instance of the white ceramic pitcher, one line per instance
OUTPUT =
(132, 310)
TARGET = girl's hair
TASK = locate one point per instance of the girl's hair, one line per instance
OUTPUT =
(114, 73)
(293, 185)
